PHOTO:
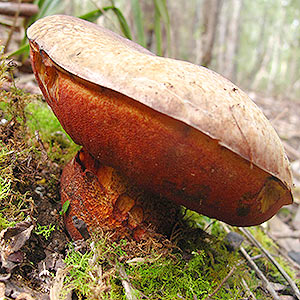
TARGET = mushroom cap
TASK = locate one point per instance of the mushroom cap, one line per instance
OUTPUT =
(186, 96)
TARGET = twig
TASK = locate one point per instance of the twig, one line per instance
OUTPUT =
(24, 9)
(221, 284)
(292, 284)
(283, 253)
(291, 151)
(248, 289)
(16, 15)
(260, 274)
(282, 235)
(129, 290)
(44, 151)
(280, 115)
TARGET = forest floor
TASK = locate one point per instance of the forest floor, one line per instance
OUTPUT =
(39, 261)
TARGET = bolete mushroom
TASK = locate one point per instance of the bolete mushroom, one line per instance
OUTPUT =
(172, 128)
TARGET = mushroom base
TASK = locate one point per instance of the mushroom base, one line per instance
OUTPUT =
(102, 199)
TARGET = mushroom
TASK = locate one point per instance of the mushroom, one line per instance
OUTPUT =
(171, 128)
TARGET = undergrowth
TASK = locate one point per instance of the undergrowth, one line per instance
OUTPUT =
(272, 248)
(194, 265)
(164, 271)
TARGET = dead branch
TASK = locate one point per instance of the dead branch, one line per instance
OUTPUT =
(259, 273)
(24, 296)
(58, 283)
(41, 144)
(283, 253)
(16, 15)
(292, 234)
(280, 115)
(129, 290)
(248, 289)
(24, 9)
(292, 284)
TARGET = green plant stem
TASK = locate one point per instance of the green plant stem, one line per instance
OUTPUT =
(138, 17)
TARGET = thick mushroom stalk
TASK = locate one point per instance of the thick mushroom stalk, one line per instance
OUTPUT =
(175, 129)
(102, 198)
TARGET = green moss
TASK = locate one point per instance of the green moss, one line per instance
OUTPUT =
(167, 278)
(157, 274)
(45, 230)
(5, 223)
(4, 188)
(12, 201)
(192, 269)
(78, 277)
(41, 118)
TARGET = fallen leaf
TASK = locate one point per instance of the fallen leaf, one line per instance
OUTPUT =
(12, 239)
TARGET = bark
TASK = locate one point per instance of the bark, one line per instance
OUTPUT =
(276, 70)
(211, 10)
(260, 51)
(147, 8)
(183, 28)
(267, 59)
(232, 40)
(221, 44)
(294, 74)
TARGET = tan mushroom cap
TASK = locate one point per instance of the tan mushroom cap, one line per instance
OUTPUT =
(192, 94)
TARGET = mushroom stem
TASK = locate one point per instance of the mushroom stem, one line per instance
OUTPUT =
(103, 199)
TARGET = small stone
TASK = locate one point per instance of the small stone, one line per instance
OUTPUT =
(233, 240)
(286, 297)
(81, 226)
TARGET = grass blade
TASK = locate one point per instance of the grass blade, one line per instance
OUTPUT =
(157, 31)
(123, 23)
(50, 7)
(22, 50)
(92, 16)
(138, 18)
(161, 7)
